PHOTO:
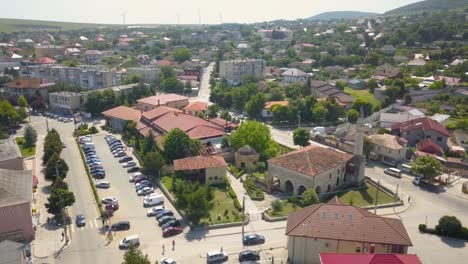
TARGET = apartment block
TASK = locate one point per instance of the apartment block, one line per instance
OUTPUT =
(236, 70)
(49, 51)
(65, 101)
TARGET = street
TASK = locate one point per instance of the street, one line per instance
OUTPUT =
(204, 91)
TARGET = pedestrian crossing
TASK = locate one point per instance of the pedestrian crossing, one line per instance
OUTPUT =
(90, 224)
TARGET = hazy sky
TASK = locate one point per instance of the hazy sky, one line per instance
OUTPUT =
(165, 11)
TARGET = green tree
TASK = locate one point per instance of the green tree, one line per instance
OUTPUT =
(30, 137)
(359, 104)
(54, 165)
(277, 205)
(172, 85)
(178, 145)
(340, 85)
(182, 54)
(213, 110)
(58, 199)
(319, 112)
(309, 197)
(301, 137)
(22, 102)
(152, 163)
(198, 205)
(149, 143)
(135, 256)
(367, 146)
(449, 226)
(94, 103)
(255, 106)
(59, 184)
(372, 84)
(256, 135)
(52, 145)
(426, 165)
(353, 115)
(8, 115)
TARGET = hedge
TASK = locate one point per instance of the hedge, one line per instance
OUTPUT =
(254, 192)
(237, 173)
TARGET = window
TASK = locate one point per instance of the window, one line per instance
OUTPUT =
(338, 181)
(439, 139)
(328, 188)
(329, 176)
(358, 249)
(428, 136)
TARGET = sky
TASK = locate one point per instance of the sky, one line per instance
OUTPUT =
(187, 11)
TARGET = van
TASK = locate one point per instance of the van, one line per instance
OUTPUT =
(393, 172)
(157, 199)
(405, 167)
(373, 156)
(318, 130)
(133, 240)
(85, 139)
(216, 256)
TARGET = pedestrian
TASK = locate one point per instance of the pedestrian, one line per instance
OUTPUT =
(63, 236)
(163, 249)
(102, 221)
(221, 249)
(173, 245)
(409, 199)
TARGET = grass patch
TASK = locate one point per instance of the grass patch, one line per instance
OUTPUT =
(364, 94)
(364, 197)
(288, 207)
(223, 210)
(283, 149)
(167, 182)
(25, 152)
(237, 173)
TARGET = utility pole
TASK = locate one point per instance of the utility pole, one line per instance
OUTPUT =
(62, 208)
(396, 196)
(243, 220)
(9, 127)
(377, 197)
(299, 120)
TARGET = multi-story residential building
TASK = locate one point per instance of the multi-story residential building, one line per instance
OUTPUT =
(388, 148)
(65, 102)
(294, 76)
(147, 74)
(94, 56)
(27, 87)
(87, 77)
(273, 34)
(236, 70)
(50, 51)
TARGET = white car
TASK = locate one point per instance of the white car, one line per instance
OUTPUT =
(155, 210)
(109, 200)
(145, 191)
(168, 261)
(129, 164)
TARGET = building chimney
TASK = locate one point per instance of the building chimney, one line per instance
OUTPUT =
(158, 102)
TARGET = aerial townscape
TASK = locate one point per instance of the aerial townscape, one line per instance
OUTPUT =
(334, 139)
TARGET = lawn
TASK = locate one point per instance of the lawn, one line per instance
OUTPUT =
(364, 94)
(365, 197)
(167, 182)
(25, 152)
(223, 210)
(288, 207)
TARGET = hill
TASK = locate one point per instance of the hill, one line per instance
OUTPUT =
(428, 5)
(12, 25)
(342, 15)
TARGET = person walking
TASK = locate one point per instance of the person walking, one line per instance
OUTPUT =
(163, 249)
(173, 245)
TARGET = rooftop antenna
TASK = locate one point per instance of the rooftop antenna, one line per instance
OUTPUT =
(123, 18)
(178, 19)
(221, 18)
(199, 17)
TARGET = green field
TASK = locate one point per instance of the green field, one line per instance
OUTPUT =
(12, 25)
(25, 152)
(364, 94)
(288, 207)
(221, 204)
(364, 197)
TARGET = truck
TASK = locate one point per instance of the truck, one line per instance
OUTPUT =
(424, 182)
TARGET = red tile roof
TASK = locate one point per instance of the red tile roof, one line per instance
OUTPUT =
(199, 162)
(426, 123)
(270, 104)
(45, 60)
(346, 222)
(311, 160)
(157, 112)
(28, 83)
(223, 122)
(363, 258)
(196, 106)
(164, 63)
(124, 113)
(195, 127)
(162, 99)
(429, 146)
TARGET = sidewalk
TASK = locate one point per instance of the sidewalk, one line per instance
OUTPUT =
(250, 207)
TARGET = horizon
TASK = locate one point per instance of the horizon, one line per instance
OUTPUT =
(192, 13)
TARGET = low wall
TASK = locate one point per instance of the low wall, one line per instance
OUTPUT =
(267, 218)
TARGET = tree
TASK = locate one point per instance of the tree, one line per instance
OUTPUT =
(213, 110)
(367, 146)
(149, 143)
(449, 226)
(55, 164)
(426, 165)
(198, 205)
(58, 199)
(256, 135)
(309, 197)
(276, 205)
(172, 85)
(52, 145)
(22, 102)
(59, 184)
(352, 115)
(255, 106)
(182, 54)
(30, 137)
(359, 104)
(178, 145)
(301, 137)
(372, 84)
(152, 163)
(340, 85)
(135, 256)
(319, 113)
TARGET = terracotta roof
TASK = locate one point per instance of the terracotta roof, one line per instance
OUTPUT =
(429, 146)
(222, 122)
(45, 60)
(159, 111)
(162, 99)
(124, 113)
(199, 162)
(426, 123)
(164, 63)
(346, 222)
(311, 160)
(196, 106)
(386, 140)
(195, 127)
(270, 104)
(451, 81)
(387, 70)
(363, 258)
(28, 83)
(93, 52)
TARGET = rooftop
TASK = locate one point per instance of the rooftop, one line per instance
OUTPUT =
(124, 113)
(389, 141)
(28, 83)
(363, 258)
(270, 104)
(15, 187)
(426, 123)
(196, 106)
(9, 150)
(311, 160)
(11, 252)
(336, 221)
(199, 162)
(162, 99)
(294, 72)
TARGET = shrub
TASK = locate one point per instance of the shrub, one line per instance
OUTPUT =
(232, 193)
(237, 205)
(276, 205)
(422, 228)
(449, 226)
(293, 199)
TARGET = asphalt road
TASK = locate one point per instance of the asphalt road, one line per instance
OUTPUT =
(204, 92)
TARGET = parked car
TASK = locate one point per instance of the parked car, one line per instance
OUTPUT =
(119, 154)
(133, 240)
(125, 159)
(168, 261)
(139, 179)
(163, 213)
(116, 147)
(253, 239)
(97, 169)
(165, 219)
(136, 176)
(170, 223)
(91, 160)
(117, 150)
(171, 231)
(145, 191)
(153, 211)
(80, 220)
(98, 175)
(133, 169)
(141, 182)
(121, 225)
(103, 185)
(249, 255)
(216, 256)
(109, 200)
(129, 164)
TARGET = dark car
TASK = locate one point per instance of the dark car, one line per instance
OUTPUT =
(98, 175)
(119, 154)
(121, 225)
(125, 159)
(253, 239)
(139, 179)
(97, 169)
(170, 223)
(117, 146)
(88, 151)
(248, 255)
(163, 213)
(171, 231)
(133, 169)
(80, 220)
(165, 219)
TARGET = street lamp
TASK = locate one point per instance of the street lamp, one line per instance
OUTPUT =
(9, 126)
(243, 220)
(62, 207)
